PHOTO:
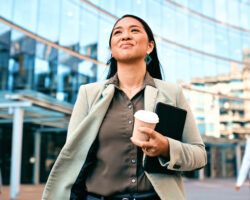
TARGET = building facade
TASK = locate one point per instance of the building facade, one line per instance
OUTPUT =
(49, 48)
(225, 106)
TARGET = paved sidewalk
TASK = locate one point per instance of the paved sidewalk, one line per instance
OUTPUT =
(27, 192)
(215, 189)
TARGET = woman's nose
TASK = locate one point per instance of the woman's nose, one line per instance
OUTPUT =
(126, 36)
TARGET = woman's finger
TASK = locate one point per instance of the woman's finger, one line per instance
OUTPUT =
(150, 132)
(136, 142)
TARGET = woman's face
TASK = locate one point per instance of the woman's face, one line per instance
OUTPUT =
(129, 41)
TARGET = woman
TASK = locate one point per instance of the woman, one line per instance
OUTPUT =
(99, 161)
(245, 167)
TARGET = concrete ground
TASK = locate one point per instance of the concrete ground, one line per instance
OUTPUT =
(209, 189)
(216, 189)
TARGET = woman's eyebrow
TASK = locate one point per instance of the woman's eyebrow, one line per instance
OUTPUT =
(118, 27)
(132, 26)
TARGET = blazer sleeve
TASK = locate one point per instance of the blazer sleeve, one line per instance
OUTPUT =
(190, 153)
(80, 110)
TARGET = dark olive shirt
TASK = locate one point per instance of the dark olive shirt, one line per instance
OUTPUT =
(118, 165)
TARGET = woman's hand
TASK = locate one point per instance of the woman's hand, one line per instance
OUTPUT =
(157, 145)
(237, 188)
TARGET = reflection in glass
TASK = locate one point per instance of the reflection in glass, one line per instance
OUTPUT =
(222, 43)
(21, 64)
(49, 16)
(4, 57)
(69, 26)
(195, 33)
(25, 14)
(209, 37)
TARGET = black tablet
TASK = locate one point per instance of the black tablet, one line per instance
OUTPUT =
(171, 124)
(171, 120)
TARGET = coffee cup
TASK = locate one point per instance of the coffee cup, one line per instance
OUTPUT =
(144, 118)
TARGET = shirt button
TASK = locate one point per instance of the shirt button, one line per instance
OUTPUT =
(133, 180)
(133, 161)
(130, 122)
(130, 106)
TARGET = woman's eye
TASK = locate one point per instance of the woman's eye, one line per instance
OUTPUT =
(134, 30)
(116, 32)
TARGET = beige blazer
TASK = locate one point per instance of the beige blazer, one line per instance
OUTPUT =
(90, 108)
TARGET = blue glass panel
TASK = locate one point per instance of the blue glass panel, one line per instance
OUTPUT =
(196, 65)
(181, 31)
(6, 9)
(87, 69)
(3, 28)
(96, 2)
(222, 43)
(210, 66)
(233, 12)
(139, 8)
(110, 6)
(208, 8)
(103, 50)
(221, 10)
(154, 15)
(49, 17)
(245, 40)
(63, 77)
(169, 23)
(195, 33)
(88, 29)
(123, 7)
(223, 67)
(182, 2)
(168, 61)
(235, 46)
(69, 24)
(209, 37)
(183, 72)
(25, 14)
(244, 15)
(195, 5)
(103, 39)
(41, 74)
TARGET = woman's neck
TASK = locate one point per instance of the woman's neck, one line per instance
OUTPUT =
(131, 75)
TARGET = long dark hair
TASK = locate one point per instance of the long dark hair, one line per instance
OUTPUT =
(154, 67)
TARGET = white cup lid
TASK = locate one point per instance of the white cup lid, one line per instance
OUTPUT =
(147, 116)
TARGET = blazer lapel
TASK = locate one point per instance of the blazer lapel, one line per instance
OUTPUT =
(150, 95)
(86, 132)
(150, 98)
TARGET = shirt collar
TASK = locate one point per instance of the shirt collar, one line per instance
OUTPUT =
(148, 80)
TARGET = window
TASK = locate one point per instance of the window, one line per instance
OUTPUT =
(5, 10)
(25, 14)
(49, 17)
(69, 24)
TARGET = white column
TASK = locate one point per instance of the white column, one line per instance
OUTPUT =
(36, 172)
(16, 152)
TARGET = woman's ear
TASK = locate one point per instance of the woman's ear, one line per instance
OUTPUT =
(151, 46)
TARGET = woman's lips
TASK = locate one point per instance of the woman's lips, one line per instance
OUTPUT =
(125, 46)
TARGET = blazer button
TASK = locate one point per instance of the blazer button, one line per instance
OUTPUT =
(177, 166)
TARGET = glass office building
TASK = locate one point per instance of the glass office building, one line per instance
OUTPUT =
(49, 48)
